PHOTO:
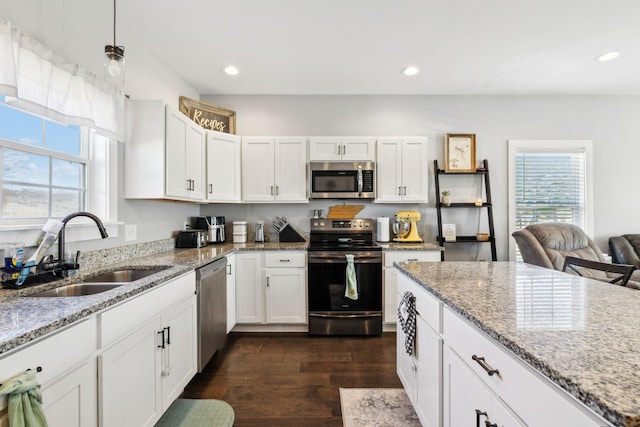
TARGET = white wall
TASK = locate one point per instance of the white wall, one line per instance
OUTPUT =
(611, 122)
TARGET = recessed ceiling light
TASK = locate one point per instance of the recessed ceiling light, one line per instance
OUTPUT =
(410, 71)
(608, 56)
(231, 70)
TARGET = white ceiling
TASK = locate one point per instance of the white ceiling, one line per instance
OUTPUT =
(463, 47)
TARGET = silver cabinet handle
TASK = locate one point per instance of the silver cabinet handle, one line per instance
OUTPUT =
(344, 149)
(285, 260)
(277, 190)
(210, 188)
(272, 190)
(229, 272)
(399, 191)
(405, 190)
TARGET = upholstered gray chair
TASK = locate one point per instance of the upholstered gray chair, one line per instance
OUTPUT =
(547, 245)
(625, 249)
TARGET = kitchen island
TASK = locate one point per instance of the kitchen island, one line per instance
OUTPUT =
(578, 337)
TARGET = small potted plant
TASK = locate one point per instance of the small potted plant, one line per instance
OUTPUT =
(446, 201)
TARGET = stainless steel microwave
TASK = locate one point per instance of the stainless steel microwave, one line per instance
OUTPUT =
(342, 180)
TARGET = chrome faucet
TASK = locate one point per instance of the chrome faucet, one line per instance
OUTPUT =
(61, 242)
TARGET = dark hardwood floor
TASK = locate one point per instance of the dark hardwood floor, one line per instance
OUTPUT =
(294, 379)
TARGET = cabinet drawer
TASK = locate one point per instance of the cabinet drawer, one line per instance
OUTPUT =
(285, 259)
(404, 256)
(536, 400)
(118, 321)
(428, 306)
(52, 353)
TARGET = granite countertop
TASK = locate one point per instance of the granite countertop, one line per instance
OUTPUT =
(25, 318)
(580, 333)
(396, 246)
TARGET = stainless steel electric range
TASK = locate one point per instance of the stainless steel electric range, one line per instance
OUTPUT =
(332, 310)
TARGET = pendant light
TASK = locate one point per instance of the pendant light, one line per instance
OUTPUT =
(114, 58)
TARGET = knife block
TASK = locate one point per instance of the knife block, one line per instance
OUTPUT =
(288, 234)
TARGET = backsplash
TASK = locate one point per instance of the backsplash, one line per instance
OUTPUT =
(98, 258)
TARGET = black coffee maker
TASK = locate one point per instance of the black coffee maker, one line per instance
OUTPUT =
(214, 226)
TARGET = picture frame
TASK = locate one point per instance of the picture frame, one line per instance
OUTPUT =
(460, 152)
(208, 116)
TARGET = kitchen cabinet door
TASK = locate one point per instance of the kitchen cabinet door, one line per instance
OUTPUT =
(250, 306)
(286, 296)
(258, 169)
(72, 401)
(185, 157)
(129, 379)
(467, 400)
(389, 170)
(291, 170)
(342, 148)
(402, 170)
(390, 291)
(223, 167)
(325, 149)
(415, 170)
(231, 292)
(359, 149)
(179, 358)
(428, 359)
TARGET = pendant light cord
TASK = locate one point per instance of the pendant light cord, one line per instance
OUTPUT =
(114, 22)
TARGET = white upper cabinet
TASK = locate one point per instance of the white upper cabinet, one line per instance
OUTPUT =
(402, 170)
(223, 167)
(185, 160)
(274, 169)
(342, 148)
(164, 154)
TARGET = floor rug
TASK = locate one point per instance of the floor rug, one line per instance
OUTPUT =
(379, 407)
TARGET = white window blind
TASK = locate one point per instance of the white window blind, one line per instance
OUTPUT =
(550, 186)
(549, 181)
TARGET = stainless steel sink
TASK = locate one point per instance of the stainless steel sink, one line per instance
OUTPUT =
(100, 283)
(77, 289)
(123, 276)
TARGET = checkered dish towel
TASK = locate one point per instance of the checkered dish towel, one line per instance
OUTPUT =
(407, 318)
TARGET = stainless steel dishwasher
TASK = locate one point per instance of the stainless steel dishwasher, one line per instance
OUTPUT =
(211, 287)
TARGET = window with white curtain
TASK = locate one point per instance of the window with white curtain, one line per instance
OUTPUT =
(549, 181)
(58, 130)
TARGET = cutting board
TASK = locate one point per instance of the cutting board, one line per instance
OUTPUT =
(344, 211)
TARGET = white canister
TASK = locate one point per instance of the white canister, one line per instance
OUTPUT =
(239, 231)
(382, 230)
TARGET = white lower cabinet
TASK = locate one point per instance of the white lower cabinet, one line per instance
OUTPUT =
(467, 402)
(68, 378)
(421, 373)
(153, 357)
(72, 401)
(390, 277)
(249, 290)
(286, 290)
(271, 287)
(451, 382)
(231, 292)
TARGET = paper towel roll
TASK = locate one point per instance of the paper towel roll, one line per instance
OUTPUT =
(383, 229)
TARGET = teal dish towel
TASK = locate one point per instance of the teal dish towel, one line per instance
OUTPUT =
(25, 400)
(351, 290)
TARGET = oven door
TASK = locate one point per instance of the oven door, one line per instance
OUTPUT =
(327, 281)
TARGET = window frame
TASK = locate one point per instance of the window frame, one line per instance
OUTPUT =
(99, 154)
(549, 146)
